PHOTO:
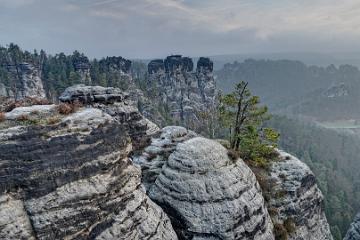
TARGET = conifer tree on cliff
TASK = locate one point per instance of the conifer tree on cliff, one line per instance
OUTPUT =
(242, 115)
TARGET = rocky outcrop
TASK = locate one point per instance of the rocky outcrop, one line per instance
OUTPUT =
(28, 80)
(208, 195)
(354, 231)
(337, 90)
(156, 155)
(183, 94)
(71, 178)
(82, 67)
(117, 70)
(296, 200)
(3, 90)
(92, 94)
(292, 197)
(115, 103)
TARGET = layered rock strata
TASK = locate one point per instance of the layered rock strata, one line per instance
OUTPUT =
(72, 178)
(354, 231)
(27, 79)
(183, 93)
(156, 155)
(210, 196)
(82, 67)
(296, 200)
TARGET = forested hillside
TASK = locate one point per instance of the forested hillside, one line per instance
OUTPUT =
(295, 88)
(60, 71)
(334, 157)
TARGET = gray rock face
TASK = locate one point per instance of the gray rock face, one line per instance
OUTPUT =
(26, 111)
(82, 67)
(28, 78)
(3, 91)
(74, 180)
(185, 93)
(156, 155)
(118, 68)
(354, 231)
(210, 196)
(298, 198)
(92, 94)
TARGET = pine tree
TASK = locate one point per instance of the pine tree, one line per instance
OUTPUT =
(241, 114)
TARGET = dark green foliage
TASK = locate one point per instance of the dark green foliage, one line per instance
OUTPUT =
(333, 156)
(241, 114)
(299, 89)
(61, 71)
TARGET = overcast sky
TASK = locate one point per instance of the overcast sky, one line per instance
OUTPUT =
(156, 28)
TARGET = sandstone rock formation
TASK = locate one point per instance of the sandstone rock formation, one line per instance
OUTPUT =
(297, 200)
(182, 93)
(92, 94)
(354, 231)
(82, 67)
(208, 195)
(156, 155)
(28, 81)
(78, 177)
(3, 90)
(117, 70)
(73, 179)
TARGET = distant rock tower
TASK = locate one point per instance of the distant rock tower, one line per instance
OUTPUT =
(27, 77)
(185, 93)
(82, 67)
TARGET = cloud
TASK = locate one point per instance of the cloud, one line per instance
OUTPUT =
(15, 3)
(155, 27)
(230, 15)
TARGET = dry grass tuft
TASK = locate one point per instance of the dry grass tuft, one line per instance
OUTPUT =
(53, 120)
(26, 102)
(23, 118)
(2, 116)
(68, 108)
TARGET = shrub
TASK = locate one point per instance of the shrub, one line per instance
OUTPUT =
(280, 232)
(23, 118)
(273, 211)
(289, 225)
(233, 155)
(2, 116)
(64, 108)
(53, 120)
(11, 105)
(26, 120)
(68, 108)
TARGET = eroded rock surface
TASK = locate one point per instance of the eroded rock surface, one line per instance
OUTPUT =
(82, 66)
(27, 76)
(185, 94)
(156, 155)
(210, 196)
(297, 199)
(92, 94)
(74, 180)
(354, 231)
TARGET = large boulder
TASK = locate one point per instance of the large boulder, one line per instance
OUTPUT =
(209, 195)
